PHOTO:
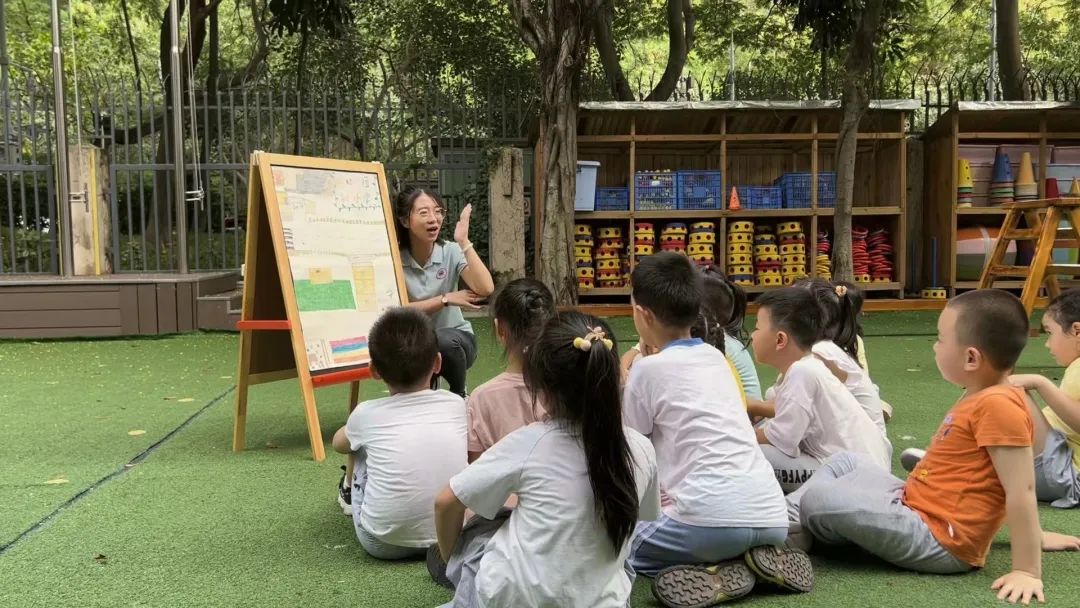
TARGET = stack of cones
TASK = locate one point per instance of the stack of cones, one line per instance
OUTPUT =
(1026, 189)
(860, 256)
(880, 251)
(1001, 181)
(1052, 188)
(965, 186)
(644, 239)
(740, 261)
(1074, 189)
(609, 258)
(822, 267)
(792, 251)
(583, 260)
(733, 202)
(766, 257)
(673, 238)
(702, 243)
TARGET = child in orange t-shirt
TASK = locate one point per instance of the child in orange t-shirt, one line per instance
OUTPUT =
(977, 473)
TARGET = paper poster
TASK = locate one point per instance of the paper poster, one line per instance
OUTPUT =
(340, 255)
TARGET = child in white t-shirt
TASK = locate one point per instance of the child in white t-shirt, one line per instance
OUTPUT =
(839, 348)
(503, 404)
(405, 447)
(582, 481)
(725, 512)
(813, 415)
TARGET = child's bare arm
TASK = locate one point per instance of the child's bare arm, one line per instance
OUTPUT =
(1067, 408)
(449, 519)
(342, 445)
(1017, 474)
(761, 409)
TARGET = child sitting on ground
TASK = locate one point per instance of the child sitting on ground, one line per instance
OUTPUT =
(838, 349)
(1057, 444)
(405, 447)
(735, 340)
(855, 297)
(503, 404)
(724, 504)
(976, 475)
(582, 479)
(814, 415)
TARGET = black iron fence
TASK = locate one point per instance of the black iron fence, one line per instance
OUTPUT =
(434, 134)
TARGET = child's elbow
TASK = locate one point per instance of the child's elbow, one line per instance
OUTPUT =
(446, 500)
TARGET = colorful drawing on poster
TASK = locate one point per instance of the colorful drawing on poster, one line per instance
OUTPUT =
(364, 285)
(336, 295)
(351, 350)
(320, 276)
(317, 356)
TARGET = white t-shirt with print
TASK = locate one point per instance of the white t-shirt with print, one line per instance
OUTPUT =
(412, 443)
(711, 467)
(858, 380)
(816, 415)
(553, 551)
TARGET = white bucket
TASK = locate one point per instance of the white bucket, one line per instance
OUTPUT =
(585, 192)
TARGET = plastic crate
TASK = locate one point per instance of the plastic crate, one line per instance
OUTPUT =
(797, 194)
(654, 191)
(760, 197)
(700, 190)
(612, 199)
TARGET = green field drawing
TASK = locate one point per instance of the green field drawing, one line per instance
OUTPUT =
(336, 295)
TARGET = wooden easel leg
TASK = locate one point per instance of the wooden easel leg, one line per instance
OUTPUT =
(240, 415)
(354, 395)
(1001, 246)
(1037, 272)
(318, 450)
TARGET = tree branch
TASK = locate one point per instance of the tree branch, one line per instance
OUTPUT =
(680, 16)
(529, 24)
(609, 55)
(131, 45)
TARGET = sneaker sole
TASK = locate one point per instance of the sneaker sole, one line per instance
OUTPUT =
(346, 508)
(701, 586)
(782, 566)
(436, 568)
(910, 458)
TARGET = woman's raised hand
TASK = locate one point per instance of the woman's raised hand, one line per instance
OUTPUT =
(461, 231)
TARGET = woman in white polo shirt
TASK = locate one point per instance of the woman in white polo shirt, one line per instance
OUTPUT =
(433, 270)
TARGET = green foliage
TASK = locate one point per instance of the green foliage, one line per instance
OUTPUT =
(205, 252)
(28, 245)
(290, 17)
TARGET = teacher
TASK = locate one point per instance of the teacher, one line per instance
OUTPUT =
(432, 269)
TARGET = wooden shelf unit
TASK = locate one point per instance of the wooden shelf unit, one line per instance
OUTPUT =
(1040, 124)
(751, 144)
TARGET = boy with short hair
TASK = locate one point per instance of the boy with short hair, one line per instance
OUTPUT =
(813, 414)
(722, 502)
(977, 473)
(405, 447)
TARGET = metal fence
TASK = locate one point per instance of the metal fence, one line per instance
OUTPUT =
(434, 134)
(28, 242)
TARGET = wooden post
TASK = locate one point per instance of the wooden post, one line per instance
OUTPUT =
(506, 198)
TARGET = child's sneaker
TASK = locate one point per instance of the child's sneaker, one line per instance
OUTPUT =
(436, 567)
(344, 496)
(909, 458)
(782, 566)
(702, 586)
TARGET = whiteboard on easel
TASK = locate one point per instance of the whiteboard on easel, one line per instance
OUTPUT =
(334, 223)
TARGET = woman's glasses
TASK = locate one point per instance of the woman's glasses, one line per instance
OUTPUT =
(429, 212)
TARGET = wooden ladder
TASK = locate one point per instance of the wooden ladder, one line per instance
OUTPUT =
(1043, 219)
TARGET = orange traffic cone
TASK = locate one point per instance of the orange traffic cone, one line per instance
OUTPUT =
(733, 202)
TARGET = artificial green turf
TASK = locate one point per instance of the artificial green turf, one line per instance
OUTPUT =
(196, 525)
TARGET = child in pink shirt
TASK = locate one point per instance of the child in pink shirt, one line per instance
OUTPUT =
(503, 404)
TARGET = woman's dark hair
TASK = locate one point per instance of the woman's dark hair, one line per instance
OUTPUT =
(717, 308)
(581, 391)
(403, 206)
(856, 296)
(522, 307)
(734, 326)
(840, 306)
(1065, 309)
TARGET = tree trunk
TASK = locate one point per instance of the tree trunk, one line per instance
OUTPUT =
(560, 40)
(680, 16)
(610, 57)
(1014, 85)
(131, 46)
(305, 34)
(858, 68)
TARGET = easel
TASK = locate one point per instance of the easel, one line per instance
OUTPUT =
(272, 345)
(1043, 219)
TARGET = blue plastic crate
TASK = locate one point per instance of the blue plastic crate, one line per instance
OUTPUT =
(700, 190)
(796, 189)
(654, 191)
(760, 197)
(612, 199)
